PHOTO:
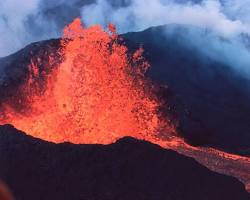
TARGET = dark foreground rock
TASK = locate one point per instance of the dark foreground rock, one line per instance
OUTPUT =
(128, 170)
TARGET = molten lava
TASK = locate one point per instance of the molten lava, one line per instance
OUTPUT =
(96, 95)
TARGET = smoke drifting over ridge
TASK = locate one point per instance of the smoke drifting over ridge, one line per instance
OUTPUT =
(141, 14)
(32, 20)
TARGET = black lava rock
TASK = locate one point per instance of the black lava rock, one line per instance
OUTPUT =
(126, 170)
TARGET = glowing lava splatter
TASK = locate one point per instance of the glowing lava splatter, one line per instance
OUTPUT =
(98, 93)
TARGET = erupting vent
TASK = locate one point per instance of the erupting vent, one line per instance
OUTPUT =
(98, 93)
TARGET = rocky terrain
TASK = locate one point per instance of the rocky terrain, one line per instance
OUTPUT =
(127, 169)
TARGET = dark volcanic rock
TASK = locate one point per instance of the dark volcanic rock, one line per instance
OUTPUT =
(215, 96)
(128, 169)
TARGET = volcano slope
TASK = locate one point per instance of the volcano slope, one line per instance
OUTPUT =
(127, 169)
(210, 99)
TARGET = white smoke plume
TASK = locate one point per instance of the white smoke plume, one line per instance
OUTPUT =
(26, 21)
(141, 14)
(226, 19)
(13, 14)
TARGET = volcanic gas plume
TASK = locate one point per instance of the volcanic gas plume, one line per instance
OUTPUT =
(96, 95)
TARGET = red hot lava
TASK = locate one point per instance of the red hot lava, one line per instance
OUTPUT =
(98, 93)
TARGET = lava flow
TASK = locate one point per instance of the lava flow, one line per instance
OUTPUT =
(96, 95)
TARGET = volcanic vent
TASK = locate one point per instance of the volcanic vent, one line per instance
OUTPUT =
(97, 94)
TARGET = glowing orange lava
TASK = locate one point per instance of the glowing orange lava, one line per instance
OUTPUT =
(98, 93)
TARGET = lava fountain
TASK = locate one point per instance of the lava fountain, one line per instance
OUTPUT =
(97, 94)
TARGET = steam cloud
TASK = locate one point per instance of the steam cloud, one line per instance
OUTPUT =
(12, 30)
(141, 14)
(23, 22)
